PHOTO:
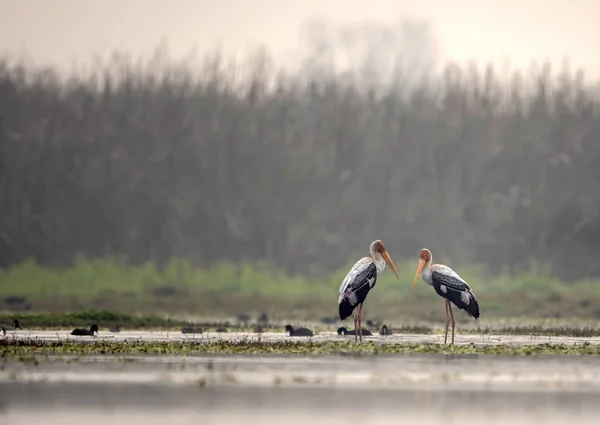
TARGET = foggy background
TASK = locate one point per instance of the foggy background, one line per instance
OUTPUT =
(297, 132)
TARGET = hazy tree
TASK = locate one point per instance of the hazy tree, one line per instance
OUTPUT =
(237, 161)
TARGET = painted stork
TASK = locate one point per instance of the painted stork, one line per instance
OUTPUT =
(359, 281)
(449, 285)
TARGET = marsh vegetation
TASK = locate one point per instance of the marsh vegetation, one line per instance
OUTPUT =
(16, 348)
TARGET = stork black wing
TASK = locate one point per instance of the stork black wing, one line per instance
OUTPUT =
(456, 291)
(357, 290)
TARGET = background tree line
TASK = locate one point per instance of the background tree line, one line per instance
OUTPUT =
(244, 163)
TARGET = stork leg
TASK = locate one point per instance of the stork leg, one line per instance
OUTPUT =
(359, 330)
(447, 303)
(453, 323)
(356, 312)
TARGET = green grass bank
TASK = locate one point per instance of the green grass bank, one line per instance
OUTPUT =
(224, 290)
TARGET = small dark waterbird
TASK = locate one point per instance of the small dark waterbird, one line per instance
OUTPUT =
(116, 329)
(385, 330)
(448, 285)
(14, 325)
(191, 330)
(360, 280)
(299, 331)
(344, 331)
(263, 319)
(86, 332)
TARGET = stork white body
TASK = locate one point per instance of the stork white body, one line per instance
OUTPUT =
(361, 278)
(449, 285)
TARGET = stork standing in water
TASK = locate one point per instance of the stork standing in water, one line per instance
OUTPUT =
(359, 281)
(449, 285)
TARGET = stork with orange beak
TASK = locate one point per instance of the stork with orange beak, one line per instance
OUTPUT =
(449, 285)
(359, 281)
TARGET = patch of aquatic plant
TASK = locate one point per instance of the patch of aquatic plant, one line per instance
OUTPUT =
(529, 330)
(13, 348)
(535, 330)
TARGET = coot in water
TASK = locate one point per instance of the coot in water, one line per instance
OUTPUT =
(191, 330)
(89, 332)
(385, 331)
(298, 332)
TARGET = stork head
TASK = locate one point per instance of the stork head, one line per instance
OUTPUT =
(378, 250)
(424, 258)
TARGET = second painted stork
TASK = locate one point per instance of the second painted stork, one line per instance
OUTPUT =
(359, 281)
(449, 285)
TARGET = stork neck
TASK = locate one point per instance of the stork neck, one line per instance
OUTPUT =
(426, 273)
(379, 262)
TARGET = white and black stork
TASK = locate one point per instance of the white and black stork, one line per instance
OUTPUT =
(359, 281)
(449, 285)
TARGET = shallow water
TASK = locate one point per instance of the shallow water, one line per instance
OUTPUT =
(399, 389)
(157, 404)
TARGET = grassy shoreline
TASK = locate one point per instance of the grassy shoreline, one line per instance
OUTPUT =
(225, 289)
(50, 321)
(106, 319)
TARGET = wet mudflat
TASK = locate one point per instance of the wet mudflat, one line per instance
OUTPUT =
(277, 389)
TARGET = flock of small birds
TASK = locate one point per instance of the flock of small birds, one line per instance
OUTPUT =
(262, 322)
(93, 330)
(243, 319)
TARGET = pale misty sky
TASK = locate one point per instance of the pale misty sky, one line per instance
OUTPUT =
(59, 31)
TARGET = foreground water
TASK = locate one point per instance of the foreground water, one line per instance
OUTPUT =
(399, 389)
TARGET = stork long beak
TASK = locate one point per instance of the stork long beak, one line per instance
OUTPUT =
(389, 261)
(419, 270)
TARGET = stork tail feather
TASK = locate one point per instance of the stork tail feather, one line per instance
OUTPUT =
(473, 307)
(345, 309)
